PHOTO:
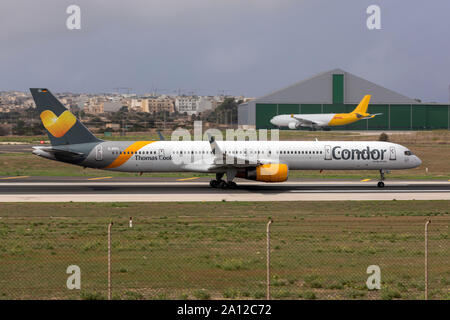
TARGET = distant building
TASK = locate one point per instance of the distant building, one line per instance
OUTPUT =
(93, 106)
(112, 106)
(136, 104)
(94, 109)
(192, 104)
(113, 126)
(161, 103)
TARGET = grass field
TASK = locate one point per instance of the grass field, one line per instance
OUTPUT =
(319, 250)
(433, 147)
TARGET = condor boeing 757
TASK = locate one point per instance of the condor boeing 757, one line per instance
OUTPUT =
(324, 120)
(267, 161)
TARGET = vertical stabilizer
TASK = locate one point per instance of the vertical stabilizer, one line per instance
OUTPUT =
(62, 126)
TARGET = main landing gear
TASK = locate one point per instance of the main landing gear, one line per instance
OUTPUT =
(381, 183)
(222, 184)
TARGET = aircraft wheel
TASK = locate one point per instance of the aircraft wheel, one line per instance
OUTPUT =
(232, 185)
(213, 183)
(223, 185)
(380, 184)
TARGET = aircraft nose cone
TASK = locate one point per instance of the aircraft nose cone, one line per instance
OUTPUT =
(272, 121)
(419, 162)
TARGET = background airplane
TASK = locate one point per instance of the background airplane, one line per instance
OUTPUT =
(267, 161)
(324, 120)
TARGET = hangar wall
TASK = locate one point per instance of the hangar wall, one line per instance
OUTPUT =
(337, 91)
(394, 117)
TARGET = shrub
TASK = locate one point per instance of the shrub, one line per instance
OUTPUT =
(201, 295)
(91, 296)
(132, 295)
(356, 294)
(309, 295)
(230, 294)
(389, 294)
(383, 137)
(259, 295)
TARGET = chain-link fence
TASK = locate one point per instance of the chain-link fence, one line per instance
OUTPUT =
(164, 258)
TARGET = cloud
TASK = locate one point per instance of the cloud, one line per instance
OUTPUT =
(248, 46)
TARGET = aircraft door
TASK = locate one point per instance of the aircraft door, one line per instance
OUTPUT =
(161, 153)
(99, 152)
(327, 152)
(392, 153)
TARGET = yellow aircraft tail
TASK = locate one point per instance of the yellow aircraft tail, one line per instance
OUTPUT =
(362, 106)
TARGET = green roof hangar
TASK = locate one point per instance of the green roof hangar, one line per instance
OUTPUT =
(338, 91)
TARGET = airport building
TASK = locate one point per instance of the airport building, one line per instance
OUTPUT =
(338, 91)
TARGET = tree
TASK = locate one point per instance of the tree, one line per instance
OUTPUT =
(20, 128)
(226, 112)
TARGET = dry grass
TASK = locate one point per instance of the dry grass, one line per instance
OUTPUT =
(217, 250)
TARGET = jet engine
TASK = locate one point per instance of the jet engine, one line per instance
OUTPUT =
(277, 172)
(293, 125)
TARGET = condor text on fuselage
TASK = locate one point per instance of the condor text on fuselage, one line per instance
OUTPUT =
(356, 154)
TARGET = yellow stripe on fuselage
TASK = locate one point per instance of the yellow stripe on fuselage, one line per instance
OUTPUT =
(127, 154)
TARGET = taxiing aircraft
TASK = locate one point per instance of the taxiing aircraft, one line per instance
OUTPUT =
(324, 120)
(267, 161)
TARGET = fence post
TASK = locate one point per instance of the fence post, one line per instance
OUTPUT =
(426, 259)
(268, 259)
(109, 260)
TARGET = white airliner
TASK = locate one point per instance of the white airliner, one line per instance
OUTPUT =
(267, 161)
(324, 120)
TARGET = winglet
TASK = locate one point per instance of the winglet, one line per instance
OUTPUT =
(362, 106)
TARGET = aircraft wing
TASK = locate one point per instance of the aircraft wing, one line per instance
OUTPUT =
(305, 120)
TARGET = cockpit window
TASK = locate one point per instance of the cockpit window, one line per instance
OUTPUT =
(408, 153)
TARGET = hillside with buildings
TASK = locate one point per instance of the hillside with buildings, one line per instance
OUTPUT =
(120, 112)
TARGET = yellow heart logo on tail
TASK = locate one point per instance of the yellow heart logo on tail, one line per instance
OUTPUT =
(58, 126)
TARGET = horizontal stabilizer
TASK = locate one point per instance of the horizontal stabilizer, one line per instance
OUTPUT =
(57, 152)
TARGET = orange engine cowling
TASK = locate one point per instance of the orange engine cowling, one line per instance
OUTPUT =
(277, 172)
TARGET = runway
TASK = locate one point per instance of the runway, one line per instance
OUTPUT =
(145, 189)
(11, 147)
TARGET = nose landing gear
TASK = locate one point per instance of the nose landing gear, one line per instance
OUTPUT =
(381, 183)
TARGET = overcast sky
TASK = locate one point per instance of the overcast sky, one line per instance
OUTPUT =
(248, 47)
